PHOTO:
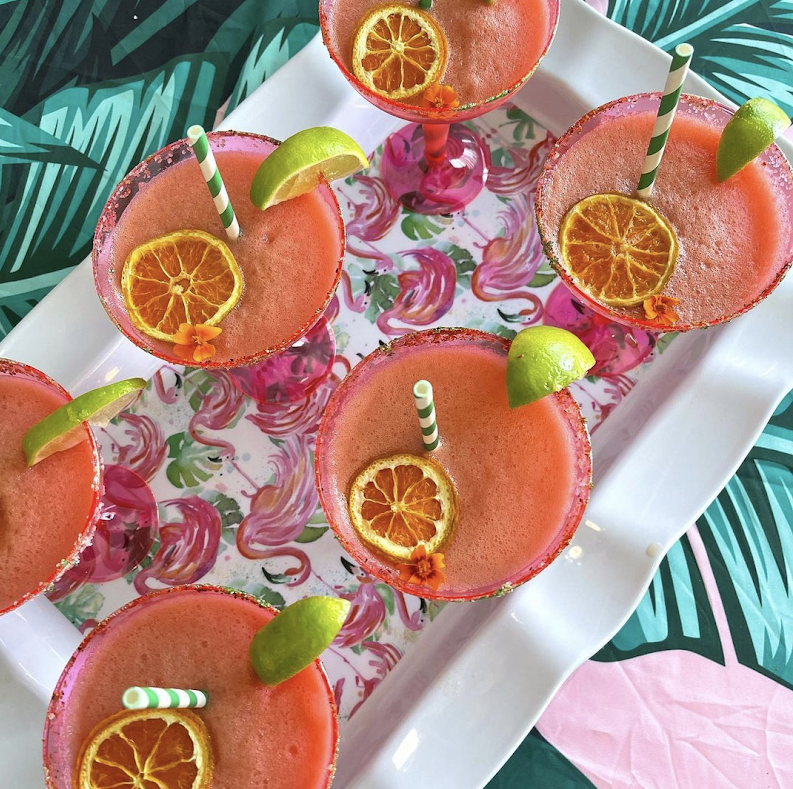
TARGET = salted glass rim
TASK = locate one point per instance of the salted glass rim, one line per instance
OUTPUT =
(566, 403)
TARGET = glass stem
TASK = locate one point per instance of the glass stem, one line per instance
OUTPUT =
(435, 136)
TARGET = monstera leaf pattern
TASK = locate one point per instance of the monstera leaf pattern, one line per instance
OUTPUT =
(89, 87)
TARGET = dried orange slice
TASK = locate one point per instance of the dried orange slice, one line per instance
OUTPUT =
(400, 502)
(619, 250)
(184, 277)
(398, 51)
(147, 748)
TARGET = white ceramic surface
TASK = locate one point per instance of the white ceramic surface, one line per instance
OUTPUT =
(456, 706)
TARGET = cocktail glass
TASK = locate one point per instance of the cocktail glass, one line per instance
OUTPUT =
(435, 164)
(774, 165)
(82, 535)
(367, 403)
(90, 688)
(201, 215)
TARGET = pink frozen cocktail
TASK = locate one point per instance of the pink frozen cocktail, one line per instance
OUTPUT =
(48, 511)
(435, 165)
(522, 475)
(280, 737)
(735, 237)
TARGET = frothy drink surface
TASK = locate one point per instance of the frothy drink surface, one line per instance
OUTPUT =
(289, 254)
(515, 470)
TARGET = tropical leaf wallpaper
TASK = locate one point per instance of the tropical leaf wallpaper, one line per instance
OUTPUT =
(90, 87)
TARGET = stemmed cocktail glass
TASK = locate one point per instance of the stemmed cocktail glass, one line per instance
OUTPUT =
(436, 164)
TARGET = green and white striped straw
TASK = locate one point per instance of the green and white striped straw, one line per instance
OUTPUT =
(136, 698)
(197, 138)
(681, 58)
(425, 405)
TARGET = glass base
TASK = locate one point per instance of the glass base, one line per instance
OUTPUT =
(292, 374)
(442, 189)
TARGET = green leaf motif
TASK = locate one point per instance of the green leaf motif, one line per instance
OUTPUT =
(387, 593)
(48, 214)
(271, 597)
(420, 226)
(22, 142)
(747, 533)
(502, 157)
(540, 279)
(311, 534)
(81, 605)
(383, 289)
(434, 608)
(275, 41)
(524, 125)
(665, 340)
(464, 263)
(230, 515)
(264, 593)
(192, 463)
(744, 48)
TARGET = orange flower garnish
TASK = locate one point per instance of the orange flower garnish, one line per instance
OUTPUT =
(192, 342)
(661, 309)
(422, 569)
(440, 97)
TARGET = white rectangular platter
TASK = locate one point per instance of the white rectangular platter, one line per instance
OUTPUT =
(461, 700)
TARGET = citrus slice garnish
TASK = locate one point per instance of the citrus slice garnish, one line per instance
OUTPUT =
(544, 359)
(296, 165)
(755, 125)
(63, 428)
(399, 51)
(617, 249)
(400, 502)
(147, 748)
(184, 277)
(295, 638)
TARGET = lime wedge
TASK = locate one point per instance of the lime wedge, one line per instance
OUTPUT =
(296, 637)
(294, 167)
(747, 134)
(544, 359)
(62, 429)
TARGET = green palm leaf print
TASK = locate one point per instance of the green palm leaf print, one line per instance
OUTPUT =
(744, 48)
(49, 210)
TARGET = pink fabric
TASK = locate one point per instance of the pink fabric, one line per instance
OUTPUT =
(675, 719)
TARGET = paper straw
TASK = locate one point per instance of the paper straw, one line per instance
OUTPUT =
(206, 161)
(425, 405)
(162, 698)
(681, 58)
